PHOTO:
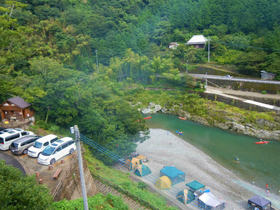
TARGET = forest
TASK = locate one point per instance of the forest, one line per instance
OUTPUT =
(76, 60)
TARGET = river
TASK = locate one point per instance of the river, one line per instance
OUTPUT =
(258, 164)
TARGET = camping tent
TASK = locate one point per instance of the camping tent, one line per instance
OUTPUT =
(163, 183)
(134, 163)
(195, 185)
(142, 170)
(209, 201)
(183, 196)
(143, 158)
(195, 189)
(174, 174)
(259, 203)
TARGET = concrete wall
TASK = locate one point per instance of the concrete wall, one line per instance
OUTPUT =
(270, 101)
(234, 102)
(245, 86)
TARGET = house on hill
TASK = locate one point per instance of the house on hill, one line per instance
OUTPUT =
(267, 75)
(198, 41)
(173, 45)
(15, 109)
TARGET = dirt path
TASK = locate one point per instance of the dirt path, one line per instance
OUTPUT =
(166, 149)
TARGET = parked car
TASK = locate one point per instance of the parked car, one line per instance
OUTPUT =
(57, 150)
(21, 145)
(8, 136)
(40, 144)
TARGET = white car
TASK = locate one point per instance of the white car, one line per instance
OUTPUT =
(40, 144)
(57, 150)
(8, 136)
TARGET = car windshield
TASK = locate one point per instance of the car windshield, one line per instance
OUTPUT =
(37, 145)
(15, 145)
(48, 151)
(1, 141)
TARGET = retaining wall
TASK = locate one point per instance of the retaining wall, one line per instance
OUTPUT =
(235, 102)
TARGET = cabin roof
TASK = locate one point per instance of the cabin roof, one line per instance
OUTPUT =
(19, 102)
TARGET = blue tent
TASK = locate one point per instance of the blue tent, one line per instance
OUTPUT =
(174, 174)
(258, 202)
(142, 170)
(195, 185)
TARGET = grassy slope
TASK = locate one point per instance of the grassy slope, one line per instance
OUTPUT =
(98, 201)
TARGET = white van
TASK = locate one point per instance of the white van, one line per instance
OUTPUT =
(8, 136)
(40, 144)
(57, 150)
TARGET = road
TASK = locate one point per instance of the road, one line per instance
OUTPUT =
(237, 79)
(10, 160)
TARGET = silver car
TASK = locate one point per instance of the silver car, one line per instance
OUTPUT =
(21, 145)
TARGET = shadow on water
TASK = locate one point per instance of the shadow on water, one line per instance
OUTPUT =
(258, 164)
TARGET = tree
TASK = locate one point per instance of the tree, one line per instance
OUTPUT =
(21, 192)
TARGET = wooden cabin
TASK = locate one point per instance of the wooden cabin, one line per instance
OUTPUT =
(15, 109)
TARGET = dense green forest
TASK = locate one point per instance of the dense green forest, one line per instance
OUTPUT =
(76, 60)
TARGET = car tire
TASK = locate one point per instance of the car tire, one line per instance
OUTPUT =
(71, 151)
(25, 152)
(52, 161)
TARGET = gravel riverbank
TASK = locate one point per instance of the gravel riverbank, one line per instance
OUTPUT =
(166, 149)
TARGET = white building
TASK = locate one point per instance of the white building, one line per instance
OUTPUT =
(198, 41)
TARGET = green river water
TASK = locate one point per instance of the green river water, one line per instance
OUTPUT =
(258, 164)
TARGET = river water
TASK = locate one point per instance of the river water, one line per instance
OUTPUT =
(258, 164)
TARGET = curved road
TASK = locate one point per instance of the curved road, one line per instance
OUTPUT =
(237, 79)
(10, 160)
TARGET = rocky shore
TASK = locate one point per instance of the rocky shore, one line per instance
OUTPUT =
(231, 124)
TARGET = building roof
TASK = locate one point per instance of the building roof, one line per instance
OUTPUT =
(195, 185)
(171, 171)
(197, 39)
(19, 102)
(260, 201)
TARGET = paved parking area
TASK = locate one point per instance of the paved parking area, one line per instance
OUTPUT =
(11, 160)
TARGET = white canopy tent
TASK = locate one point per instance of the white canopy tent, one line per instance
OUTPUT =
(210, 200)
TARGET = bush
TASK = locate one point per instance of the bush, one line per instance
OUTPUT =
(142, 185)
(98, 201)
(21, 192)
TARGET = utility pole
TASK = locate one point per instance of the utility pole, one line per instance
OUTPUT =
(76, 131)
(208, 49)
(96, 61)
(206, 82)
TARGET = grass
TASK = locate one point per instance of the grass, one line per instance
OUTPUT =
(99, 201)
